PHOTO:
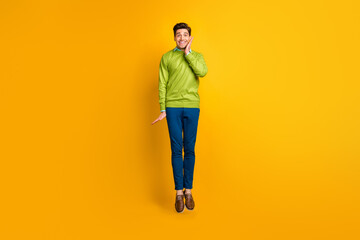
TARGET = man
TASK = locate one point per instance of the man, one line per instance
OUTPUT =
(180, 69)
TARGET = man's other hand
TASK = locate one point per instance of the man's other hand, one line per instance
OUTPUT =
(162, 115)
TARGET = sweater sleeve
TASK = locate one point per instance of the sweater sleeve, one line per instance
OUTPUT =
(197, 63)
(163, 80)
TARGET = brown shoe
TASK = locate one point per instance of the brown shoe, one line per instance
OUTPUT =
(179, 203)
(189, 201)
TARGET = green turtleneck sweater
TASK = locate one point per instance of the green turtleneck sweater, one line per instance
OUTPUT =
(179, 79)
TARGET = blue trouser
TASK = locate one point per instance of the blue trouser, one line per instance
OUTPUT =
(179, 120)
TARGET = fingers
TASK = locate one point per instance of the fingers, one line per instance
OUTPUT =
(189, 44)
(191, 40)
(159, 118)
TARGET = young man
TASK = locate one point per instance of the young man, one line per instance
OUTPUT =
(180, 69)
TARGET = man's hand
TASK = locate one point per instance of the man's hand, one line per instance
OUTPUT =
(162, 115)
(187, 48)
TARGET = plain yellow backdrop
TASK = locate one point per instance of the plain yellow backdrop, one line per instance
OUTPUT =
(277, 150)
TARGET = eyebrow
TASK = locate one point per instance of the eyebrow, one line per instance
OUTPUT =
(179, 33)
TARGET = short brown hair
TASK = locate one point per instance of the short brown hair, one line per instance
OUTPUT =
(181, 26)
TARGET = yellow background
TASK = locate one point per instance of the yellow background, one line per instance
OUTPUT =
(277, 152)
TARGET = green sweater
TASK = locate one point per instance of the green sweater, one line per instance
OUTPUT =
(179, 79)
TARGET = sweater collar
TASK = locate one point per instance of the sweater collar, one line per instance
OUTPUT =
(176, 49)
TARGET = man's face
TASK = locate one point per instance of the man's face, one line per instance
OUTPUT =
(182, 38)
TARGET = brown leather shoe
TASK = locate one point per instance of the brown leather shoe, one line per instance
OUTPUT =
(189, 201)
(179, 203)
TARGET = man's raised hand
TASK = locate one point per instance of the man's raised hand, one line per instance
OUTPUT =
(187, 48)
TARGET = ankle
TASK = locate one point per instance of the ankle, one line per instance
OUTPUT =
(179, 192)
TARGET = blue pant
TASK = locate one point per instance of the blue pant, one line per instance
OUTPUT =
(179, 120)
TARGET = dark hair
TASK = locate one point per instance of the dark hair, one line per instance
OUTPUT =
(181, 26)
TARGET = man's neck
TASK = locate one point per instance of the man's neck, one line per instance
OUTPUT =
(182, 49)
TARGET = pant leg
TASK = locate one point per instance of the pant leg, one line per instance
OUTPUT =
(174, 117)
(191, 117)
